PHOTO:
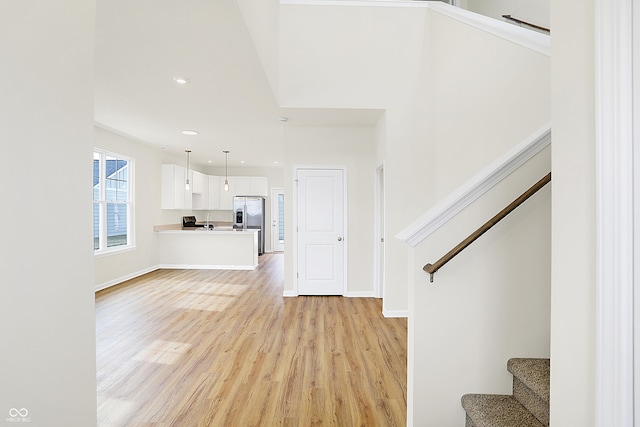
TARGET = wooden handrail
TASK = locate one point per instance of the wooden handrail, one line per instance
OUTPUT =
(528, 24)
(432, 268)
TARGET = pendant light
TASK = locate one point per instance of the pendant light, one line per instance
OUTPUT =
(226, 170)
(186, 183)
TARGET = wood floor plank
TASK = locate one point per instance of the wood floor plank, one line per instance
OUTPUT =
(224, 348)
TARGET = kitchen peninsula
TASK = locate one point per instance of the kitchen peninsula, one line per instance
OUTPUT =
(219, 249)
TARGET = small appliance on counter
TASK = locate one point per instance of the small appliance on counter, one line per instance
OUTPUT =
(190, 222)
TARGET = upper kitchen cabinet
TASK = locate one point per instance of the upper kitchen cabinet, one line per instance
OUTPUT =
(250, 186)
(174, 193)
(206, 192)
(199, 182)
(226, 197)
(241, 186)
(200, 198)
(214, 192)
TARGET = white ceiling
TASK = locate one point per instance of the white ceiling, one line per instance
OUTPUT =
(142, 45)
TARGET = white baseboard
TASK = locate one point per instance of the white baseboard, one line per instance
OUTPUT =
(395, 313)
(361, 294)
(119, 280)
(364, 294)
(207, 267)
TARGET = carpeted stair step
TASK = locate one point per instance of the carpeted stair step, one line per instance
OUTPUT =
(493, 410)
(531, 385)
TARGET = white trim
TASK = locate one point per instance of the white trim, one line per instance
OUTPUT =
(378, 232)
(289, 294)
(274, 210)
(533, 40)
(124, 278)
(358, 3)
(614, 216)
(470, 191)
(207, 267)
(395, 313)
(103, 202)
(293, 238)
(361, 294)
(115, 250)
(636, 210)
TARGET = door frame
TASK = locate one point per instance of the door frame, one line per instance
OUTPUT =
(294, 222)
(274, 214)
(617, 365)
(378, 233)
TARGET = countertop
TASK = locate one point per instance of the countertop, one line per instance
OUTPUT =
(198, 230)
(225, 228)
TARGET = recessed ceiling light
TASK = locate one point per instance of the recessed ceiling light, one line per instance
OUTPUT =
(181, 80)
(209, 161)
(276, 162)
(189, 132)
(241, 161)
(283, 119)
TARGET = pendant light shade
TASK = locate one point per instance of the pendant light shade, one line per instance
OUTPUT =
(226, 170)
(186, 182)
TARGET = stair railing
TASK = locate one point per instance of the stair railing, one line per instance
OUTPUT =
(528, 24)
(432, 268)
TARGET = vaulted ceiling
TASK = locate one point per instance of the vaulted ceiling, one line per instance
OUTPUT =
(142, 46)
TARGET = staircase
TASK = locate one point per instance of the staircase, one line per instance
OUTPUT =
(528, 406)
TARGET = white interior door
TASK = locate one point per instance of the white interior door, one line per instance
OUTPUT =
(320, 225)
(277, 220)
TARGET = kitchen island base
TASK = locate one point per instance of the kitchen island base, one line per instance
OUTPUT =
(201, 249)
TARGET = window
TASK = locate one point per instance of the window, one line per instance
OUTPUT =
(281, 218)
(112, 202)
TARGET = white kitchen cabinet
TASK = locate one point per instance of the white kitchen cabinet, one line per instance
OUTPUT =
(200, 198)
(251, 186)
(198, 182)
(214, 192)
(226, 197)
(206, 191)
(174, 194)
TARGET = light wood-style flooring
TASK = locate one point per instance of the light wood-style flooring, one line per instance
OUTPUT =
(224, 348)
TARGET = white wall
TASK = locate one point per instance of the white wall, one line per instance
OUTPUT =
(261, 17)
(115, 268)
(47, 321)
(342, 146)
(573, 234)
(348, 57)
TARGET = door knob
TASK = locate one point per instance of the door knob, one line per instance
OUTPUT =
(339, 239)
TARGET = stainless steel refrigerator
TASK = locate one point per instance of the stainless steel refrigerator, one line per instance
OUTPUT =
(248, 213)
